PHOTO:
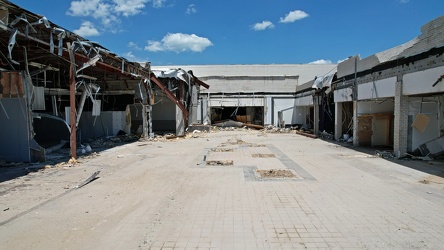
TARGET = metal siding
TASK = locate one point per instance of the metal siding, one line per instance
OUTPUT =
(14, 130)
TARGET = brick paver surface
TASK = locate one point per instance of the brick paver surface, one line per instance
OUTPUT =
(164, 195)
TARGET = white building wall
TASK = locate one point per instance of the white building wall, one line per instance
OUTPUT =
(306, 72)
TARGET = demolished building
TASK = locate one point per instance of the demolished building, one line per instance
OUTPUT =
(256, 95)
(58, 87)
(394, 98)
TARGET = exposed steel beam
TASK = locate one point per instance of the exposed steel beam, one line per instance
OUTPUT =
(199, 82)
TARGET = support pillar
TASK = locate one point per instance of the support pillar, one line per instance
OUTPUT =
(150, 120)
(180, 122)
(145, 121)
(401, 121)
(338, 120)
(316, 115)
(355, 124)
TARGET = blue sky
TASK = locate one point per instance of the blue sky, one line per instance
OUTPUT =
(195, 32)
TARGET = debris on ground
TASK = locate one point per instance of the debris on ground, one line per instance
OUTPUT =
(112, 141)
(263, 156)
(220, 163)
(236, 124)
(71, 163)
(325, 135)
(274, 129)
(222, 149)
(276, 173)
(198, 127)
(228, 123)
(90, 179)
(384, 154)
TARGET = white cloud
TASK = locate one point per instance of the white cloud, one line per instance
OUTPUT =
(134, 46)
(321, 61)
(294, 16)
(129, 8)
(94, 8)
(264, 25)
(87, 29)
(158, 3)
(154, 46)
(83, 7)
(109, 12)
(131, 57)
(191, 9)
(179, 42)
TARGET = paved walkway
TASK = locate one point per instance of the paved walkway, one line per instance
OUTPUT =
(207, 193)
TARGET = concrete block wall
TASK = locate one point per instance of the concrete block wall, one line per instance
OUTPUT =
(400, 139)
(432, 35)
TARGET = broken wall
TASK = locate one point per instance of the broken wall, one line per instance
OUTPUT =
(286, 105)
(109, 123)
(430, 109)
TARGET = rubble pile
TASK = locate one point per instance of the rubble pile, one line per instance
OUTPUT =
(274, 129)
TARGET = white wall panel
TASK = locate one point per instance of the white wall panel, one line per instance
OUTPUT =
(377, 89)
(343, 95)
(299, 115)
(421, 82)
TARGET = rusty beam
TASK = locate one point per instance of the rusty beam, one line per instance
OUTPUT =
(199, 82)
(72, 104)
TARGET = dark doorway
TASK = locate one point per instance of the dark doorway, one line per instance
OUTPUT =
(249, 115)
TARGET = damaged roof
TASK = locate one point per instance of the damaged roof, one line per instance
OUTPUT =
(32, 42)
(430, 39)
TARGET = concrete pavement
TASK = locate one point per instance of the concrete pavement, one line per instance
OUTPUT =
(165, 195)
